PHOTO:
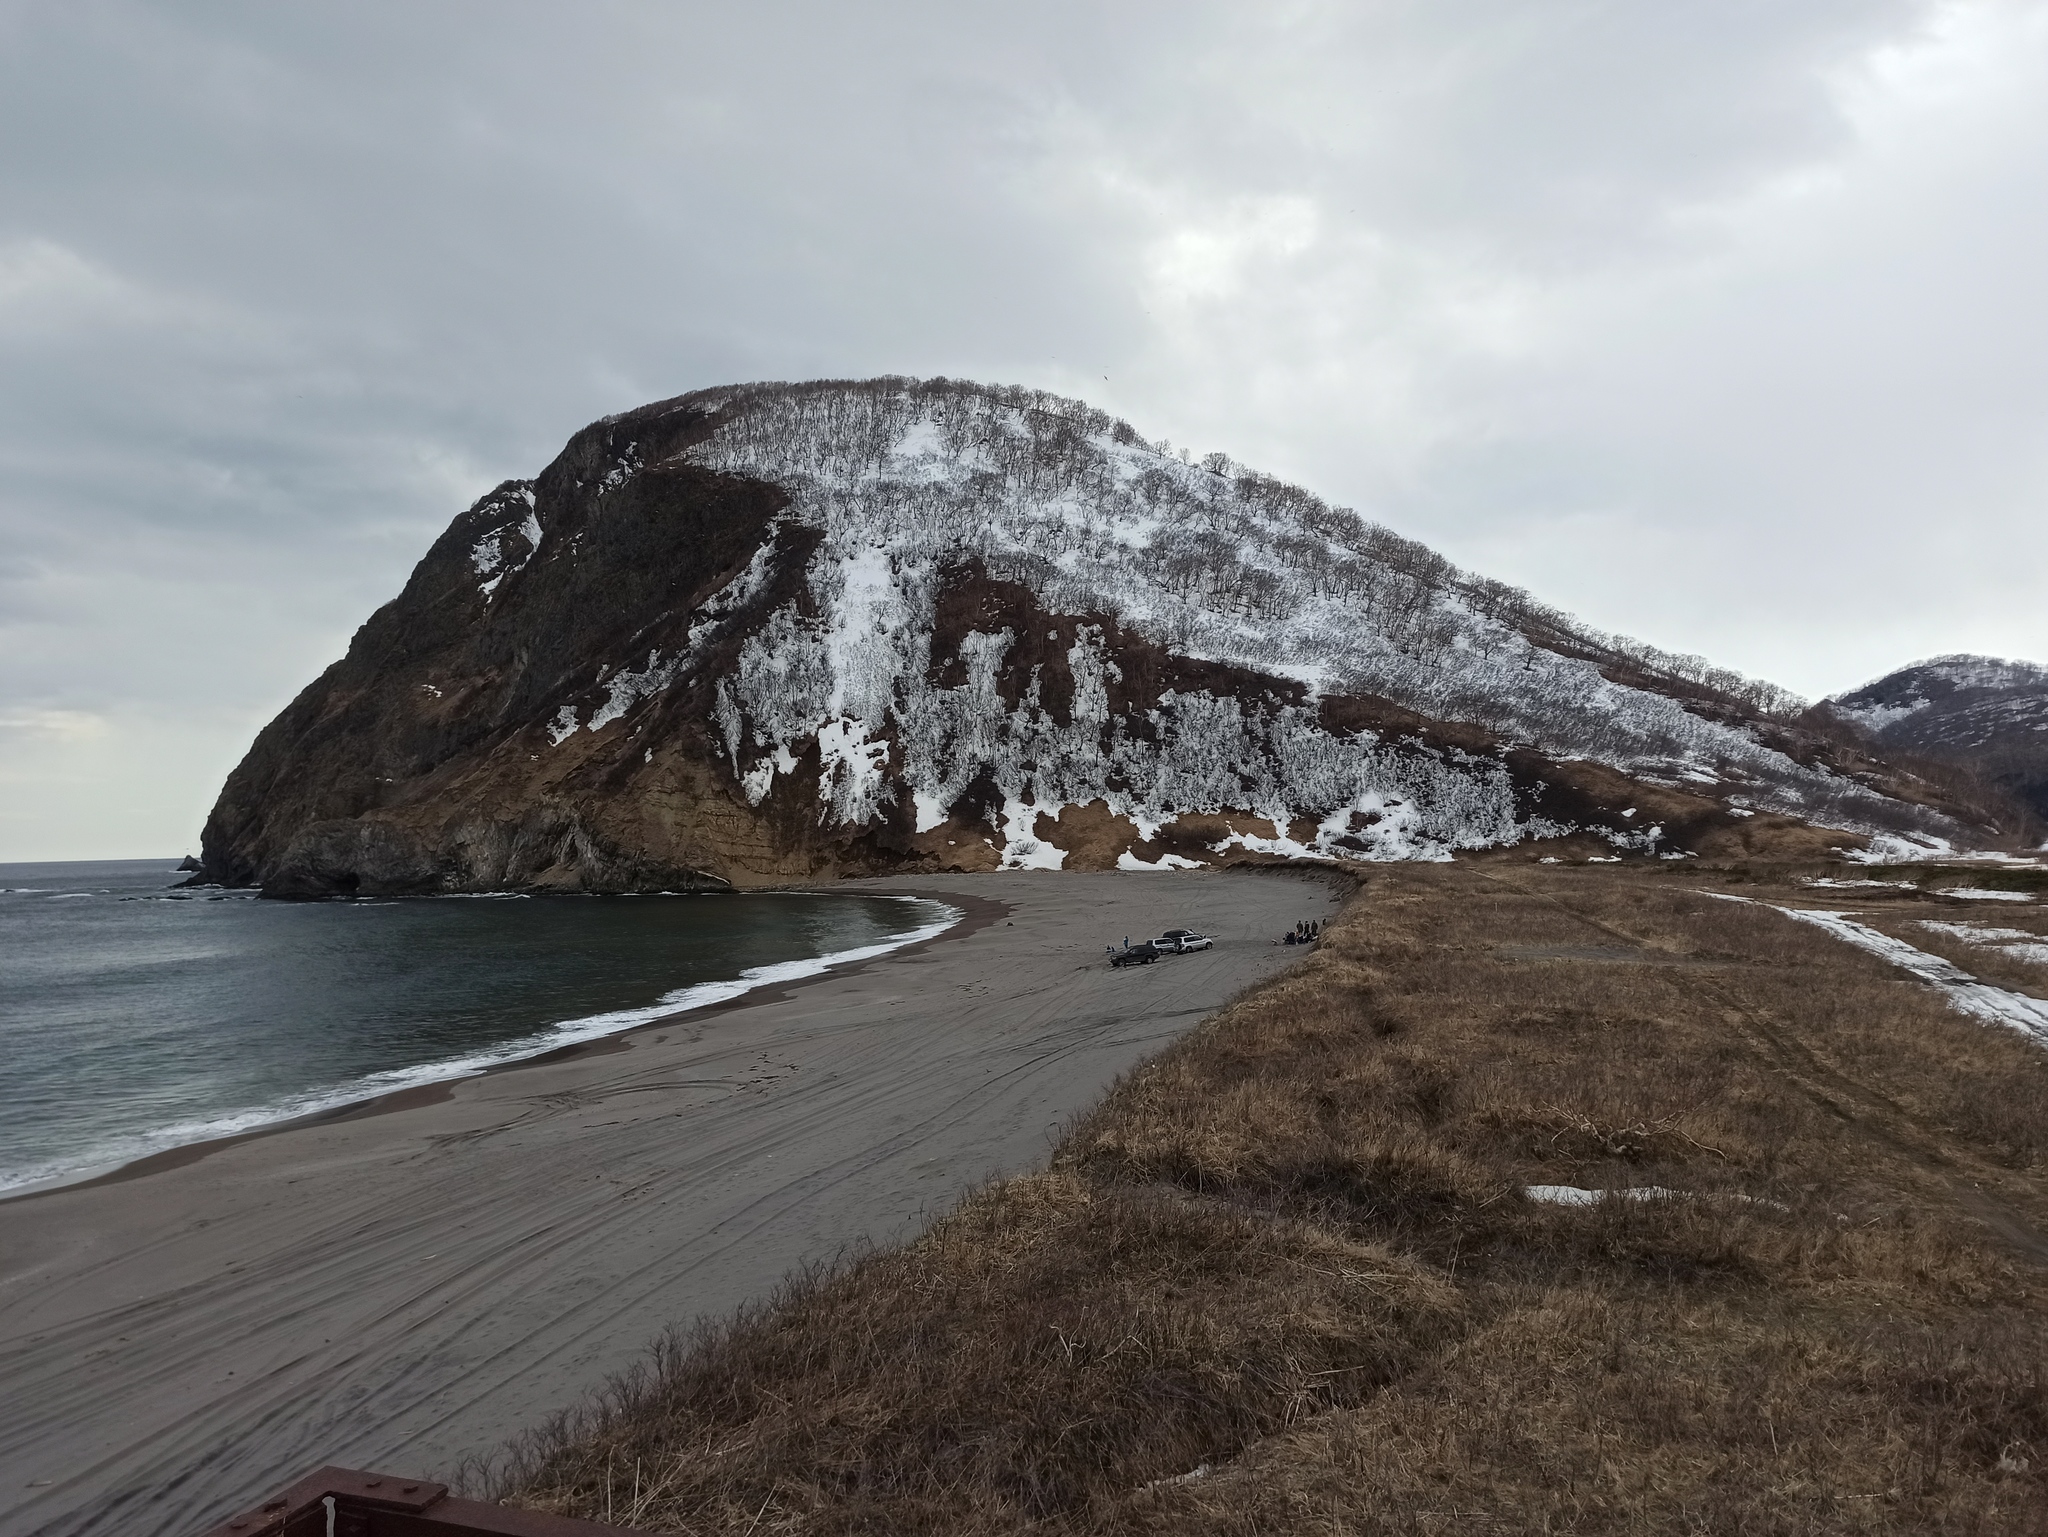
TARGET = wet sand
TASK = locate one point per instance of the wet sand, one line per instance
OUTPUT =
(410, 1284)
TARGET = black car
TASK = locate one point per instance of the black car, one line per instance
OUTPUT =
(1135, 955)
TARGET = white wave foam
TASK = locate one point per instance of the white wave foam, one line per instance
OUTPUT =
(125, 1150)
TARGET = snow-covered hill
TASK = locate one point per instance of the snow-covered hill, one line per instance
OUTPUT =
(782, 629)
(1951, 701)
(1208, 559)
(1981, 712)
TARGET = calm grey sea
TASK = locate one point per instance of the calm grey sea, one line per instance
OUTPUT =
(135, 1016)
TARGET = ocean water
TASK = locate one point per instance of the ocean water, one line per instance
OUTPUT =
(136, 1017)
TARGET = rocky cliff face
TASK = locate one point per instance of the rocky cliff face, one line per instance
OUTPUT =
(782, 632)
(1980, 713)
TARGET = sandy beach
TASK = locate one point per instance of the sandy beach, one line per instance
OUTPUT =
(407, 1286)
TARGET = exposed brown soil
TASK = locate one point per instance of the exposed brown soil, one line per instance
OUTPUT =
(1286, 1278)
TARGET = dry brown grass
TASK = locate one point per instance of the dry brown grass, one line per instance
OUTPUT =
(1293, 1252)
(1989, 962)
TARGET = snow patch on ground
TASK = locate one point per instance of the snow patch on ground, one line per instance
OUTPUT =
(930, 814)
(756, 781)
(1572, 1195)
(1129, 861)
(2018, 944)
(1642, 840)
(1980, 1000)
(508, 548)
(1252, 843)
(733, 596)
(1875, 717)
(1980, 894)
(852, 771)
(1894, 849)
(1022, 848)
(628, 688)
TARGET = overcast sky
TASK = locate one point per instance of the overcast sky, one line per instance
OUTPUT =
(1721, 323)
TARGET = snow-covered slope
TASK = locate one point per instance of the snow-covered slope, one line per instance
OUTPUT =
(1208, 559)
(1980, 712)
(957, 623)
(1956, 701)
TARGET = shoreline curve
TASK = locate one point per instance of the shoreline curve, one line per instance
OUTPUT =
(439, 1090)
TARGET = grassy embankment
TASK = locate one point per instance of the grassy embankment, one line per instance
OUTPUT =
(1284, 1279)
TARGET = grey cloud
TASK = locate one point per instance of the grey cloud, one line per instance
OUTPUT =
(1691, 317)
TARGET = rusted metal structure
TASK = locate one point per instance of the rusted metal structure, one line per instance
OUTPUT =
(342, 1502)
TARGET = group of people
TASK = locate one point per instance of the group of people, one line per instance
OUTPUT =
(1303, 933)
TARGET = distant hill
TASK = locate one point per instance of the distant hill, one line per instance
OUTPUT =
(1978, 712)
(772, 632)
